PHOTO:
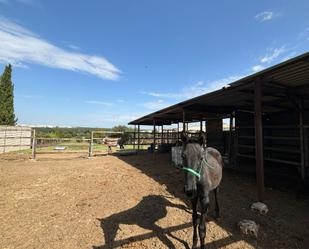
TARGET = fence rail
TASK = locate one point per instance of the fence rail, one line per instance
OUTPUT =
(14, 138)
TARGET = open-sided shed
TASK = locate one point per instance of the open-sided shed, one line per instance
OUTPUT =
(271, 112)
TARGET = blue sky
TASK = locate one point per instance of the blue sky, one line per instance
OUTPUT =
(103, 63)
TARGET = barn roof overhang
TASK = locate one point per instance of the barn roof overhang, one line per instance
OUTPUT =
(282, 86)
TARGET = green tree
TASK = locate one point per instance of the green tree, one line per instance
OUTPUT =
(121, 128)
(7, 116)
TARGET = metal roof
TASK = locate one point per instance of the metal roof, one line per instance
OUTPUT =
(282, 84)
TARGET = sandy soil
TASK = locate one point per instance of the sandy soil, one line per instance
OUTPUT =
(132, 202)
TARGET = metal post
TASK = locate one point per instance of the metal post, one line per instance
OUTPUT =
(301, 137)
(259, 139)
(91, 145)
(138, 137)
(33, 145)
(201, 126)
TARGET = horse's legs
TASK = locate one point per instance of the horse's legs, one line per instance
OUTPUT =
(217, 209)
(194, 219)
(110, 228)
(161, 235)
(202, 226)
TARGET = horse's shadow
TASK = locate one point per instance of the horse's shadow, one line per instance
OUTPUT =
(145, 214)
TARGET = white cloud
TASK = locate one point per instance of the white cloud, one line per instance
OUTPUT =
(265, 16)
(156, 105)
(272, 55)
(21, 47)
(195, 89)
(97, 102)
(108, 119)
(257, 68)
(72, 46)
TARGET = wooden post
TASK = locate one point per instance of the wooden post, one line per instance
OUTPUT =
(201, 126)
(259, 139)
(154, 135)
(230, 138)
(301, 137)
(183, 121)
(91, 145)
(162, 133)
(167, 136)
(138, 137)
(306, 148)
(178, 134)
(33, 145)
(134, 137)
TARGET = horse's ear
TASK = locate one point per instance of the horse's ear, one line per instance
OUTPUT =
(184, 137)
(202, 138)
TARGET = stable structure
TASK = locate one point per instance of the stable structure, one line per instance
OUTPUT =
(271, 114)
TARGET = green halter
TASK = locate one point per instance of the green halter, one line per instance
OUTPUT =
(198, 173)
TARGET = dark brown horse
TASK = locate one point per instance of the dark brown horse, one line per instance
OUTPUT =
(203, 173)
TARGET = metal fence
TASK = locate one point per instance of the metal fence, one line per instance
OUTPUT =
(14, 138)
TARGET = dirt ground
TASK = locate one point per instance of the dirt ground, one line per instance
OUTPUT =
(132, 202)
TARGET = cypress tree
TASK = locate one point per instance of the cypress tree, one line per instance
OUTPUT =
(7, 116)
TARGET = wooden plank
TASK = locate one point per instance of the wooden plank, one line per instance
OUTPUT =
(271, 159)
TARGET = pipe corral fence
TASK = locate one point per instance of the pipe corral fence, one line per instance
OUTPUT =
(15, 138)
(105, 142)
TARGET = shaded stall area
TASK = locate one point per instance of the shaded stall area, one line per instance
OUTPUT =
(132, 202)
(270, 110)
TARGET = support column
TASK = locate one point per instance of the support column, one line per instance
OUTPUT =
(162, 134)
(259, 156)
(154, 135)
(178, 133)
(201, 126)
(134, 137)
(301, 137)
(230, 138)
(183, 121)
(138, 137)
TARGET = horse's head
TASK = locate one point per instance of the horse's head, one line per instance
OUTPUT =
(192, 156)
